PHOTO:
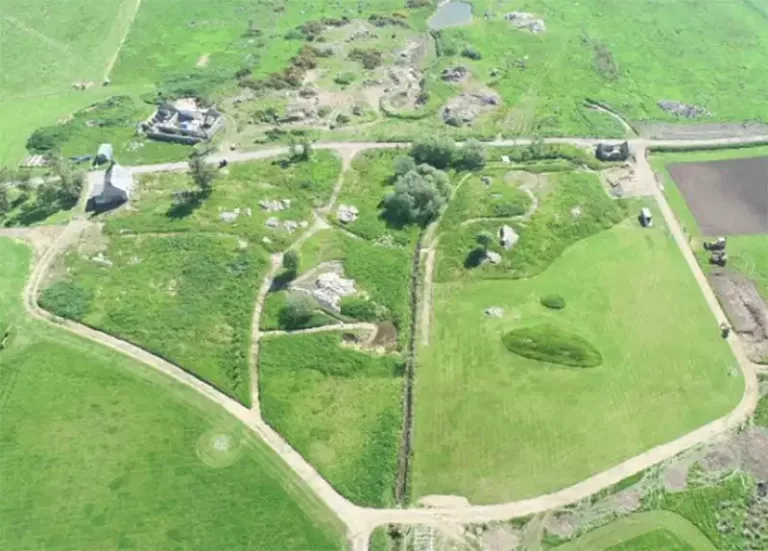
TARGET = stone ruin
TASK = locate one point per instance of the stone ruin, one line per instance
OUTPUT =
(347, 214)
(183, 121)
(454, 74)
(683, 110)
(465, 108)
(524, 20)
(275, 205)
(327, 287)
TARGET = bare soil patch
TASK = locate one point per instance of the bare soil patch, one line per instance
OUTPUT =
(203, 61)
(726, 197)
(385, 337)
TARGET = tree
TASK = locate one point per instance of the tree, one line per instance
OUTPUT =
(418, 196)
(472, 156)
(291, 261)
(403, 165)
(297, 311)
(484, 239)
(203, 174)
(5, 204)
(434, 151)
(299, 151)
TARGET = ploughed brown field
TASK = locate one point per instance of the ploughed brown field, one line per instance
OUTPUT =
(726, 197)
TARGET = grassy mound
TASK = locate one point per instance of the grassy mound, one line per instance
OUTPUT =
(547, 343)
(554, 301)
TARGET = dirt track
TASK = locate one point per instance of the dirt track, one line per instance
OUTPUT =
(360, 521)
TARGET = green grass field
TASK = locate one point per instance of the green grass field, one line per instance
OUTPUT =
(188, 298)
(100, 452)
(339, 407)
(492, 427)
(748, 254)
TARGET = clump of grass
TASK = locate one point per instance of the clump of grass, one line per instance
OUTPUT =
(67, 300)
(761, 413)
(363, 309)
(547, 343)
(553, 301)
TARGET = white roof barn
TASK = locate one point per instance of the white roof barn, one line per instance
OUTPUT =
(111, 188)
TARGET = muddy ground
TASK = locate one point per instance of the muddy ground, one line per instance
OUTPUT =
(726, 197)
(698, 131)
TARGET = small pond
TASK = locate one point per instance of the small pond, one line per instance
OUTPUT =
(451, 14)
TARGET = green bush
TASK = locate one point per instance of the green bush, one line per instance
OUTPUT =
(556, 302)
(363, 309)
(344, 78)
(547, 343)
(67, 300)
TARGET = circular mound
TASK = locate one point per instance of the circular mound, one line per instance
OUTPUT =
(547, 343)
(218, 448)
(556, 302)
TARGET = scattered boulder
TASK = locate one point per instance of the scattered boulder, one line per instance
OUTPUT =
(486, 180)
(454, 74)
(683, 110)
(492, 257)
(347, 214)
(229, 216)
(525, 20)
(465, 108)
(275, 205)
(272, 222)
(505, 159)
(576, 211)
(330, 288)
(508, 237)
(495, 312)
(102, 260)
(290, 226)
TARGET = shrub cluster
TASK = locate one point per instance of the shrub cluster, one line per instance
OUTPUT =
(394, 20)
(369, 57)
(418, 196)
(290, 77)
(443, 153)
(363, 309)
(554, 301)
(67, 300)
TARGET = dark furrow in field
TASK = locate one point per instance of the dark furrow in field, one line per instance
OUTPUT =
(403, 468)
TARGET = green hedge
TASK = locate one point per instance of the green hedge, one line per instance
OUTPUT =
(547, 343)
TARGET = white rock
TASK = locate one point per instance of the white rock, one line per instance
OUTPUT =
(492, 257)
(272, 222)
(290, 225)
(508, 237)
(347, 214)
(102, 260)
(228, 217)
(494, 311)
(248, 212)
(266, 240)
(505, 159)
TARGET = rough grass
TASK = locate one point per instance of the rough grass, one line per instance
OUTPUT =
(647, 531)
(94, 444)
(307, 184)
(548, 428)
(502, 198)
(340, 408)
(761, 413)
(188, 298)
(553, 227)
(365, 186)
(553, 301)
(547, 343)
(748, 254)
(67, 300)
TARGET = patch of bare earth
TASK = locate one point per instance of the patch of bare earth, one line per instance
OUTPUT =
(385, 337)
(202, 61)
(444, 501)
(501, 538)
(746, 309)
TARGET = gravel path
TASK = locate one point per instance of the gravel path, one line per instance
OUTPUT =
(361, 521)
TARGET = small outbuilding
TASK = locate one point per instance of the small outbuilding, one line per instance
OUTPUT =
(104, 154)
(112, 190)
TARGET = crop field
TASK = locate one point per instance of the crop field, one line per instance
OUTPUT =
(188, 298)
(748, 254)
(339, 407)
(125, 444)
(306, 184)
(648, 531)
(493, 426)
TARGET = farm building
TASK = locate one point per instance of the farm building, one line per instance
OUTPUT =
(182, 122)
(104, 154)
(608, 152)
(110, 190)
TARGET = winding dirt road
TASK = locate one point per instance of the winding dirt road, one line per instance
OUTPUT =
(361, 521)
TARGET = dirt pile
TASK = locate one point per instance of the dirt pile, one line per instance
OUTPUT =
(745, 309)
